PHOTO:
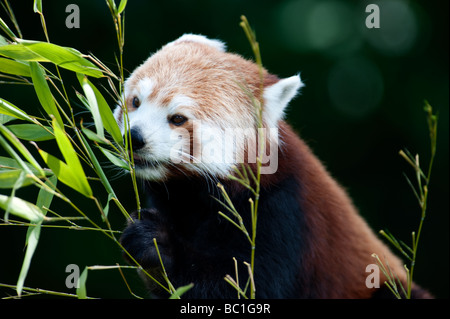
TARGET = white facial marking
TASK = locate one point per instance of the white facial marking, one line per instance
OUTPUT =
(181, 104)
(144, 88)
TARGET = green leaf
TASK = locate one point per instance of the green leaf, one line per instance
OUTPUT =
(9, 177)
(180, 291)
(64, 57)
(45, 197)
(6, 29)
(66, 174)
(24, 166)
(44, 200)
(122, 6)
(12, 110)
(17, 184)
(32, 240)
(22, 149)
(66, 148)
(92, 104)
(32, 132)
(13, 67)
(43, 91)
(72, 173)
(100, 173)
(106, 208)
(94, 137)
(37, 6)
(107, 117)
(112, 5)
(81, 290)
(7, 163)
(114, 159)
(6, 118)
(3, 41)
(20, 52)
(21, 208)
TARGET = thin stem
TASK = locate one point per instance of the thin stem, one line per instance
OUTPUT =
(43, 291)
(12, 17)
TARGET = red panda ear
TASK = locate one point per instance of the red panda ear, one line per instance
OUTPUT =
(197, 38)
(278, 96)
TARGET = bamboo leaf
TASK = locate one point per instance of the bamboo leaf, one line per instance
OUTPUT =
(3, 41)
(44, 200)
(21, 208)
(122, 6)
(32, 132)
(114, 159)
(94, 137)
(32, 240)
(104, 179)
(7, 163)
(45, 197)
(180, 291)
(15, 156)
(12, 110)
(66, 148)
(20, 52)
(106, 208)
(81, 290)
(112, 5)
(21, 148)
(18, 183)
(6, 29)
(66, 175)
(14, 67)
(106, 115)
(37, 6)
(6, 118)
(64, 57)
(43, 91)
(9, 177)
(92, 104)
(72, 173)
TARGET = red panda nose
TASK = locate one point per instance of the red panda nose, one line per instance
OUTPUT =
(137, 141)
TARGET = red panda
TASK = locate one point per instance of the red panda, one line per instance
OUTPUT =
(310, 243)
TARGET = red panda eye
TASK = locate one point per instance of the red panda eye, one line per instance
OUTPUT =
(177, 119)
(136, 102)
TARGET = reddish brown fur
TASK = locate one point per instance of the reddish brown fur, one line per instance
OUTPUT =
(340, 243)
(214, 79)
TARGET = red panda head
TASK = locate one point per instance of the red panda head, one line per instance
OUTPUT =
(190, 109)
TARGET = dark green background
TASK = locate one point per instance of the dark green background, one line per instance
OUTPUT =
(362, 103)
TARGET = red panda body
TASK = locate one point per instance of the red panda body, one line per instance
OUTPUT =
(310, 240)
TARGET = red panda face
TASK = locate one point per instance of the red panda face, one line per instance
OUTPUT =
(189, 102)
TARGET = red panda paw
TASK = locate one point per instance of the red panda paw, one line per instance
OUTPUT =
(138, 240)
